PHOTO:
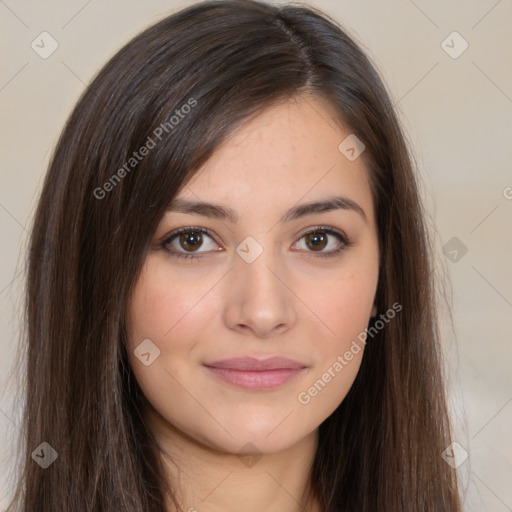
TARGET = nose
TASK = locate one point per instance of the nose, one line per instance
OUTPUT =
(259, 301)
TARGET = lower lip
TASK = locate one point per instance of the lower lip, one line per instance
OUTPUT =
(262, 379)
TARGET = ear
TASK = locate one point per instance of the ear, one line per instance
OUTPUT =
(374, 311)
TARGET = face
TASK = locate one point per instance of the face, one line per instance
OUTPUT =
(262, 277)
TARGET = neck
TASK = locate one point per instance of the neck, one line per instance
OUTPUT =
(206, 479)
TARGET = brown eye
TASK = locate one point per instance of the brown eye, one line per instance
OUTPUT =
(317, 240)
(191, 240)
(324, 242)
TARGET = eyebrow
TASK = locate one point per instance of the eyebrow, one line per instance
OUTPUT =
(222, 212)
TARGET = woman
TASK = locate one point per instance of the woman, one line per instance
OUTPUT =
(230, 298)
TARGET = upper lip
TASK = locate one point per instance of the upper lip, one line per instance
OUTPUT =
(254, 364)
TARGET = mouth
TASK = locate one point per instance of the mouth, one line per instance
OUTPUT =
(254, 374)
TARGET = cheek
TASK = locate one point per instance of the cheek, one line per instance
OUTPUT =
(164, 305)
(164, 309)
(343, 305)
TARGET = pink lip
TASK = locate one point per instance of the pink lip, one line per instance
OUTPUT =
(251, 373)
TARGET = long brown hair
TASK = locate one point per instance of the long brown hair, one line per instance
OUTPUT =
(225, 60)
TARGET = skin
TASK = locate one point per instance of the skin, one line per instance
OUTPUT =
(289, 301)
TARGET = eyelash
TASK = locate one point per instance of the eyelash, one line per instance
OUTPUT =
(345, 242)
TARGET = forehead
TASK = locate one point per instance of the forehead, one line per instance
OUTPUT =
(288, 153)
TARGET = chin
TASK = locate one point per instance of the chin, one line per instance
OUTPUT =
(263, 438)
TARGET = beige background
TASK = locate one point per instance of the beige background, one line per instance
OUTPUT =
(456, 112)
